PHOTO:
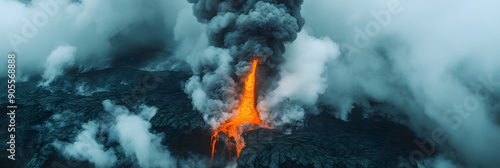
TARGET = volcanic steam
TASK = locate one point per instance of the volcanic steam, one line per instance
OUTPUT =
(241, 34)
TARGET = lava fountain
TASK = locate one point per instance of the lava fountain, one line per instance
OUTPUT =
(246, 114)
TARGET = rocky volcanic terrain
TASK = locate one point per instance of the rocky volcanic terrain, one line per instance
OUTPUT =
(57, 112)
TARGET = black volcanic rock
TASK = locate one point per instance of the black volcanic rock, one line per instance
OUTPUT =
(328, 142)
(77, 97)
(57, 112)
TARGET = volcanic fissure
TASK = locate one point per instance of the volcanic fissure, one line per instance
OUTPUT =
(246, 114)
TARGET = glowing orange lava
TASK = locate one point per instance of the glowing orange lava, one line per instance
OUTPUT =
(246, 114)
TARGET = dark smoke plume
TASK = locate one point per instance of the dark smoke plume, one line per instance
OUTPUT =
(239, 31)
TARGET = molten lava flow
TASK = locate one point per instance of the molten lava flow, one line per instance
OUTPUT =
(246, 114)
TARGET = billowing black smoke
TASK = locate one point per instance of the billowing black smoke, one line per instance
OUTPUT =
(239, 31)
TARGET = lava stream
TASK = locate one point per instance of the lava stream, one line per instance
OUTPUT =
(246, 114)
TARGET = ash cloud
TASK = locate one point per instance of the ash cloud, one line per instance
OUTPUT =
(237, 32)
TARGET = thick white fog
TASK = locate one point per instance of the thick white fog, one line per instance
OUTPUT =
(96, 29)
(433, 65)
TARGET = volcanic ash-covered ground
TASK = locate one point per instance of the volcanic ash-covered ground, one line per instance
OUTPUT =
(61, 113)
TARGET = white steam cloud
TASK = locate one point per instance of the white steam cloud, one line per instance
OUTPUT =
(97, 29)
(131, 131)
(433, 66)
(60, 59)
(87, 148)
(197, 86)
(303, 79)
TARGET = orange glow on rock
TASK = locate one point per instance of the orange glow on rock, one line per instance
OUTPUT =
(246, 114)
